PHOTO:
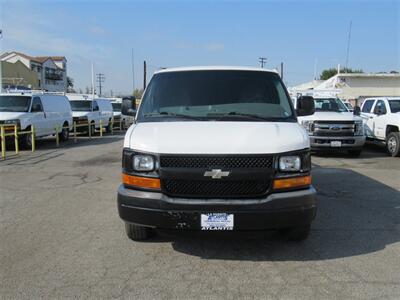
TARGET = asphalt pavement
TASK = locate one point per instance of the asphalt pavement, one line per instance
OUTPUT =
(61, 236)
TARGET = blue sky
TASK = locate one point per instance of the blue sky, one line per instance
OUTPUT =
(182, 33)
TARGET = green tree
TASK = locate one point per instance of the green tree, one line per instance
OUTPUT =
(328, 73)
(70, 85)
(137, 93)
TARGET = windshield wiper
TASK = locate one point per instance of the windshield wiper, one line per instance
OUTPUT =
(244, 115)
(171, 114)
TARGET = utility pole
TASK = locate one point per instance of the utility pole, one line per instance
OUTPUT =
(348, 46)
(100, 79)
(144, 74)
(282, 71)
(263, 61)
(133, 74)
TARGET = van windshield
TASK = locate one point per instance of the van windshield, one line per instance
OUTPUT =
(329, 104)
(216, 95)
(15, 103)
(116, 107)
(81, 105)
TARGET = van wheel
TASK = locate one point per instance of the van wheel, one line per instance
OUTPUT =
(393, 144)
(296, 234)
(64, 134)
(355, 153)
(108, 127)
(92, 128)
(26, 139)
(136, 232)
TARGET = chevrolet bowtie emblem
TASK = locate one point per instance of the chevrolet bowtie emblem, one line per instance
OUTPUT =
(216, 173)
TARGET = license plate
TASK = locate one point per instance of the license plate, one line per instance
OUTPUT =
(336, 144)
(217, 221)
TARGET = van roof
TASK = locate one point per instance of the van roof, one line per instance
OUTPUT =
(213, 68)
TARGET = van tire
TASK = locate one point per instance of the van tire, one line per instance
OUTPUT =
(64, 134)
(26, 139)
(393, 143)
(108, 127)
(296, 234)
(136, 232)
(355, 153)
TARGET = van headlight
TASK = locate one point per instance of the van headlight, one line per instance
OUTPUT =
(359, 128)
(11, 121)
(290, 163)
(143, 162)
(309, 126)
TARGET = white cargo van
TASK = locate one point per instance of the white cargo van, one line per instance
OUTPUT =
(47, 113)
(125, 120)
(217, 148)
(92, 111)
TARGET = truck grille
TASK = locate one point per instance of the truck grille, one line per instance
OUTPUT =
(206, 161)
(334, 128)
(184, 175)
(208, 188)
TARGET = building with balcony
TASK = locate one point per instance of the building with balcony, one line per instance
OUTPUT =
(33, 72)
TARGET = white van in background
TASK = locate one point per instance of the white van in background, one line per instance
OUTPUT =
(126, 120)
(92, 111)
(47, 113)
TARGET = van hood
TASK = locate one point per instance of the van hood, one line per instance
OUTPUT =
(215, 137)
(331, 116)
(6, 115)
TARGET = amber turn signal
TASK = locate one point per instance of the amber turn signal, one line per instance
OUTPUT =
(293, 182)
(143, 182)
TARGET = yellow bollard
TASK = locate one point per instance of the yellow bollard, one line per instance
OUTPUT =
(75, 132)
(101, 129)
(16, 139)
(33, 138)
(57, 138)
(3, 143)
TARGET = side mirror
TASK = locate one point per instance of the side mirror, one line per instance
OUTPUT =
(305, 106)
(357, 111)
(128, 106)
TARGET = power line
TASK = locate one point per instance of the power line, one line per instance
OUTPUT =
(263, 61)
(100, 78)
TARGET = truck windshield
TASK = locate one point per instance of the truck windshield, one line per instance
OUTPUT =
(329, 104)
(394, 105)
(216, 95)
(15, 103)
(81, 105)
(116, 107)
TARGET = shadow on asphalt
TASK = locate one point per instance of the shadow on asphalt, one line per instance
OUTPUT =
(370, 150)
(356, 215)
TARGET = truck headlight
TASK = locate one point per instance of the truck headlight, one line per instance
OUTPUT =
(290, 163)
(359, 128)
(309, 126)
(143, 162)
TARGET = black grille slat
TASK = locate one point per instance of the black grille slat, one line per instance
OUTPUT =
(211, 189)
(230, 162)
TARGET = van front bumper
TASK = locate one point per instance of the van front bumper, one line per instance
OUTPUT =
(278, 210)
(348, 142)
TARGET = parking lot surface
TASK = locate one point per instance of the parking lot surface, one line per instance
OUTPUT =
(61, 237)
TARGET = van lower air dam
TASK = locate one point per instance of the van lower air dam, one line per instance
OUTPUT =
(217, 148)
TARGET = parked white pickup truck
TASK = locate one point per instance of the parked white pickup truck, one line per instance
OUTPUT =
(333, 126)
(381, 118)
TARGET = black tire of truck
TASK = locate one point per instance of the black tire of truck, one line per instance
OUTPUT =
(138, 233)
(296, 234)
(355, 153)
(64, 134)
(393, 144)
